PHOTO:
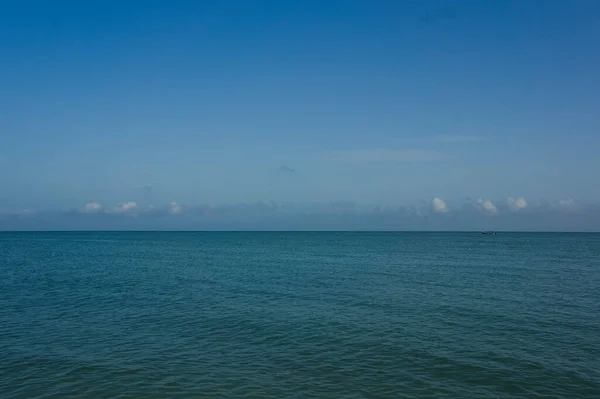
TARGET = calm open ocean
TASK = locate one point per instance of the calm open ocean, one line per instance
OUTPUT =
(299, 315)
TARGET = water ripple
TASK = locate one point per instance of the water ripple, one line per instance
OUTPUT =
(299, 315)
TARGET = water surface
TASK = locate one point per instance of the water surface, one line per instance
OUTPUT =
(299, 315)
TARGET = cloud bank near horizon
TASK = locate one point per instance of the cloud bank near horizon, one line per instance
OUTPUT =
(481, 214)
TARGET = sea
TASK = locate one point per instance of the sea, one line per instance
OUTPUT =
(299, 315)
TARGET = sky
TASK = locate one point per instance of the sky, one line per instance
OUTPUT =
(326, 114)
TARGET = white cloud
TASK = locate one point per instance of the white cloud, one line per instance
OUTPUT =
(175, 209)
(129, 205)
(92, 207)
(517, 203)
(486, 205)
(460, 139)
(126, 207)
(439, 205)
(386, 155)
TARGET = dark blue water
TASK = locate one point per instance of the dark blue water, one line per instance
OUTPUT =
(299, 315)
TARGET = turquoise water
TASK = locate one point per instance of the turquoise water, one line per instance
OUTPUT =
(299, 315)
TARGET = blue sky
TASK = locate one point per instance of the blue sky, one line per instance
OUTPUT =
(374, 103)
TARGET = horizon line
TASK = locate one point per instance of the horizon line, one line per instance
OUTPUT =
(299, 231)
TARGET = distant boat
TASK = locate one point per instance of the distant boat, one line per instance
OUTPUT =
(485, 232)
